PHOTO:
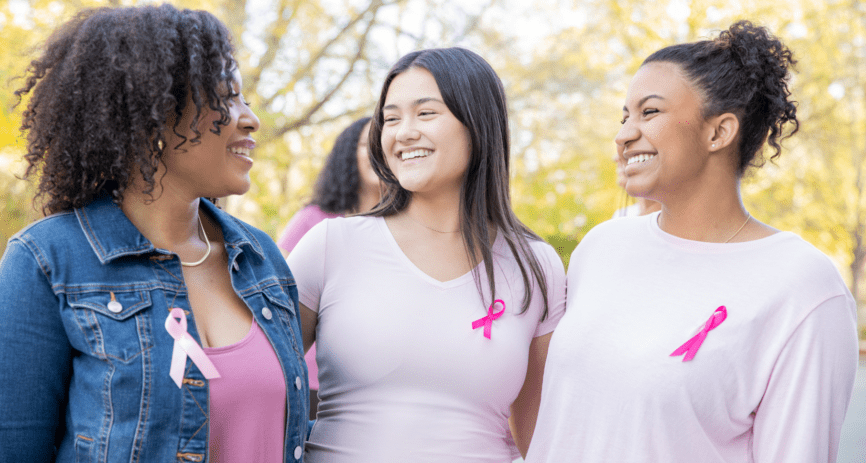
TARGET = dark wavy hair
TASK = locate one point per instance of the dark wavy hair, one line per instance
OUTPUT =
(105, 88)
(337, 185)
(473, 92)
(745, 71)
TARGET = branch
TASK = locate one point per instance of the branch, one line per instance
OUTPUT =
(305, 119)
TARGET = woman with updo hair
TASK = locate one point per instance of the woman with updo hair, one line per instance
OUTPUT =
(139, 321)
(698, 333)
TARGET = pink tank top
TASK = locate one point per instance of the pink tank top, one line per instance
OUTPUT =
(248, 401)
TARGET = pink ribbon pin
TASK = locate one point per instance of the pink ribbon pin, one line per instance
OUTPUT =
(690, 348)
(487, 321)
(185, 345)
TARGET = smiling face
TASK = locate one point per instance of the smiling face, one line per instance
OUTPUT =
(220, 164)
(663, 140)
(424, 144)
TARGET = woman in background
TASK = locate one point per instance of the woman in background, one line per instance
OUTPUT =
(434, 310)
(698, 333)
(140, 322)
(346, 185)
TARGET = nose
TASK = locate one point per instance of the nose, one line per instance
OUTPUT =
(627, 133)
(406, 131)
(248, 120)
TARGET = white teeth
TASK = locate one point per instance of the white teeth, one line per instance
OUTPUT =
(640, 158)
(242, 151)
(416, 154)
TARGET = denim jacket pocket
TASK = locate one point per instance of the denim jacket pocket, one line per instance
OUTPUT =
(115, 324)
(275, 295)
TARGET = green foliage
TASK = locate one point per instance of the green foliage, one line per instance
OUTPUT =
(310, 68)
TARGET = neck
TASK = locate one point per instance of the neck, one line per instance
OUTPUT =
(367, 198)
(169, 222)
(711, 218)
(437, 213)
(647, 206)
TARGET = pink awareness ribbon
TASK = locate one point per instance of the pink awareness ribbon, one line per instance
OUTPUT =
(487, 321)
(690, 348)
(185, 345)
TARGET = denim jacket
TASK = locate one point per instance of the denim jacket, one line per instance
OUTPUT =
(82, 380)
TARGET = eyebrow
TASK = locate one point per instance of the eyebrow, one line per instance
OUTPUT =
(417, 102)
(644, 100)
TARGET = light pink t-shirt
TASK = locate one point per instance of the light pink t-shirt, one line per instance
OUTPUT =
(770, 384)
(403, 375)
(297, 227)
(247, 402)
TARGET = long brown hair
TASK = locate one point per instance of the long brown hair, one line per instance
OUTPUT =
(474, 94)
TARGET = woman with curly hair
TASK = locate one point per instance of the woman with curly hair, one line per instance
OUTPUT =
(698, 333)
(346, 185)
(139, 321)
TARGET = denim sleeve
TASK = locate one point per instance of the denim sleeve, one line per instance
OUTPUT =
(35, 358)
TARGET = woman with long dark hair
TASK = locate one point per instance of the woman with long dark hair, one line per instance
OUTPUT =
(432, 312)
(346, 185)
(698, 333)
(139, 321)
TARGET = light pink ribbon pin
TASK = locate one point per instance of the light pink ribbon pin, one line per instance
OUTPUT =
(487, 321)
(185, 345)
(690, 348)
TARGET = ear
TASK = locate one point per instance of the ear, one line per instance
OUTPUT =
(723, 131)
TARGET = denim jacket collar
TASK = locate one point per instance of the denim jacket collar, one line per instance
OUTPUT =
(112, 235)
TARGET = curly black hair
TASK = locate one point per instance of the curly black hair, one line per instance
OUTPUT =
(745, 71)
(106, 87)
(337, 185)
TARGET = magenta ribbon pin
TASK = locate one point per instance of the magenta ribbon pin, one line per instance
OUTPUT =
(487, 321)
(185, 345)
(690, 348)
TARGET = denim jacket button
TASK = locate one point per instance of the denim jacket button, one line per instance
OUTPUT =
(266, 312)
(298, 382)
(298, 452)
(115, 307)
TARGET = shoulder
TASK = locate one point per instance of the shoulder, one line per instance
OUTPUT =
(546, 254)
(61, 231)
(803, 265)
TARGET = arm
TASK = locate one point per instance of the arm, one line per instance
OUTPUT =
(309, 320)
(524, 410)
(35, 356)
(307, 263)
(801, 414)
(297, 227)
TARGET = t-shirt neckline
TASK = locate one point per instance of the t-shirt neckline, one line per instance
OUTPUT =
(461, 280)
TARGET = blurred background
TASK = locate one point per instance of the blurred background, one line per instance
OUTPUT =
(310, 67)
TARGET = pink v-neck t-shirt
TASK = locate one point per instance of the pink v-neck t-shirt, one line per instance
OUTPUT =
(403, 376)
(247, 402)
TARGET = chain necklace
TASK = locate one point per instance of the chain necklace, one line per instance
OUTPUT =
(199, 262)
(429, 228)
(748, 217)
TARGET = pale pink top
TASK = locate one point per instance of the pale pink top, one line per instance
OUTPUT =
(248, 402)
(770, 384)
(403, 376)
(298, 226)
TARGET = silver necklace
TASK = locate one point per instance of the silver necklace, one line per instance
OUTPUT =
(198, 262)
